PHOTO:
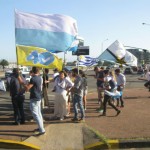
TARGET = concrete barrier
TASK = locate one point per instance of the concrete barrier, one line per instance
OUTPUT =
(10, 144)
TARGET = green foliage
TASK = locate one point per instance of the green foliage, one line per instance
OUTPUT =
(4, 63)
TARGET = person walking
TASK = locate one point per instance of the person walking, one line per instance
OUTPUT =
(109, 85)
(121, 81)
(17, 96)
(77, 90)
(35, 99)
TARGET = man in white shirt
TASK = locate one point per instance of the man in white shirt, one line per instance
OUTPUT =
(121, 81)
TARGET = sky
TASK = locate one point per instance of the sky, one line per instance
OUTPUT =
(100, 22)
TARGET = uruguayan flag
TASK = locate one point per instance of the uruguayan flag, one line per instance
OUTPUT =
(54, 32)
(87, 61)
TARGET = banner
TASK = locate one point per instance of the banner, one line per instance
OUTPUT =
(34, 56)
(87, 61)
(54, 32)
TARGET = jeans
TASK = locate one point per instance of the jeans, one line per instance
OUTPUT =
(108, 99)
(18, 106)
(77, 101)
(120, 98)
(35, 107)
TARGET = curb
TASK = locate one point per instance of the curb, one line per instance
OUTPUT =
(10, 144)
(119, 144)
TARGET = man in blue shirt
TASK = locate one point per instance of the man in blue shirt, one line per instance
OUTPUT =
(35, 99)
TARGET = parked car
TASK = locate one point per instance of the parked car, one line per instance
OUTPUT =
(8, 73)
(128, 70)
(140, 71)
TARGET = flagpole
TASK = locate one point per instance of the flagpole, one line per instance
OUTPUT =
(17, 57)
(65, 52)
(78, 63)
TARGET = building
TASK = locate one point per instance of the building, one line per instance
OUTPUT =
(142, 55)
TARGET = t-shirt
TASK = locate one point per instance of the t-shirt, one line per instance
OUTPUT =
(108, 81)
(78, 86)
(100, 82)
(15, 87)
(45, 78)
(35, 91)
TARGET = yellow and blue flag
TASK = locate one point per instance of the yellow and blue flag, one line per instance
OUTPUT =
(35, 56)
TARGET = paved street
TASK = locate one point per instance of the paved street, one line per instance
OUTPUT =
(132, 123)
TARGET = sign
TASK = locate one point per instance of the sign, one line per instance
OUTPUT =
(82, 50)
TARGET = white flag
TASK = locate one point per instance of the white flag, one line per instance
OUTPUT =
(54, 32)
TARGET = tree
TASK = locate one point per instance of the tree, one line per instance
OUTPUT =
(4, 63)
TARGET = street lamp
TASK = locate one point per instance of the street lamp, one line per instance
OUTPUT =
(102, 44)
(146, 24)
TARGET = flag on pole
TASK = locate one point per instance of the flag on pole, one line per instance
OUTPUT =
(54, 32)
(87, 61)
(34, 56)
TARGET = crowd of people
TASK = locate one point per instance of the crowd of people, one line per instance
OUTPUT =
(69, 86)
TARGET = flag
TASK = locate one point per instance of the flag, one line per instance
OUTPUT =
(34, 56)
(118, 54)
(87, 61)
(117, 50)
(54, 32)
(130, 59)
(74, 46)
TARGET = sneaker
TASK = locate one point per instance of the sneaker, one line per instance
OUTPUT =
(103, 114)
(82, 120)
(74, 119)
(68, 115)
(85, 108)
(100, 111)
(36, 130)
(122, 105)
(54, 118)
(37, 133)
(16, 123)
(22, 122)
(118, 112)
(32, 120)
(61, 119)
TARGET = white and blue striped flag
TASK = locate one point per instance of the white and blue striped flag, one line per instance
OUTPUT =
(87, 61)
(54, 32)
